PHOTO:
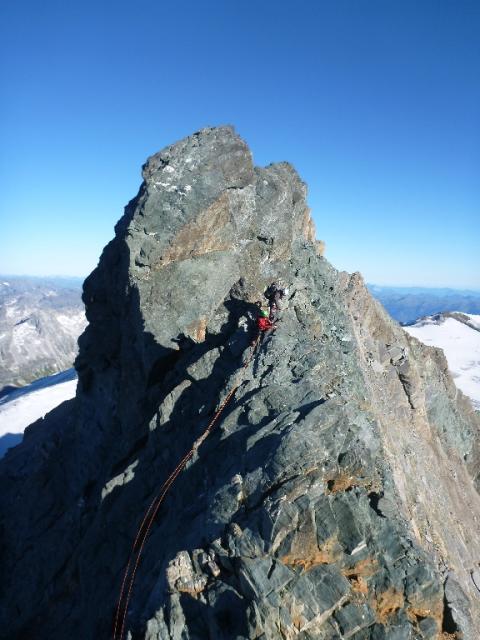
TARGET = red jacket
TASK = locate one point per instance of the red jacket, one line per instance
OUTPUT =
(264, 323)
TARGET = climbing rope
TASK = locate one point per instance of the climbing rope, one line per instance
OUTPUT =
(149, 517)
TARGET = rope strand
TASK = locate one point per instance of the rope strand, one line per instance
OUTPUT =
(149, 517)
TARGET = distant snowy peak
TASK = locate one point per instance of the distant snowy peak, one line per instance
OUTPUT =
(458, 335)
(469, 319)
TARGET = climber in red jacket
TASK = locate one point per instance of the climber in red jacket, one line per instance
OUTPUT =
(263, 321)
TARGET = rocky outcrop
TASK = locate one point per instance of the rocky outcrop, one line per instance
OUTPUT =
(337, 497)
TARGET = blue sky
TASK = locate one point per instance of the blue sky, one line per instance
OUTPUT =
(376, 103)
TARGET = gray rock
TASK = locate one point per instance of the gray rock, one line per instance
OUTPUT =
(458, 610)
(476, 578)
(353, 618)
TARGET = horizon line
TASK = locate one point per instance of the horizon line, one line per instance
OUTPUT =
(473, 289)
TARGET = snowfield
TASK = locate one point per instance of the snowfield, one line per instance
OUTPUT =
(75, 323)
(23, 406)
(458, 334)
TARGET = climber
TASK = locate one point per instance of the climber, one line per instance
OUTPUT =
(265, 326)
(263, 322)
(274, 294)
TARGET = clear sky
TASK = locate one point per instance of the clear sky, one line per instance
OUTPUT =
(375, 102)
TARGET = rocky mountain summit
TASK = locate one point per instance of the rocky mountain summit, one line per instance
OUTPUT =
(336, 498)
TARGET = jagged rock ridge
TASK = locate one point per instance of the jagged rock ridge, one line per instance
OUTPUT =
(338, 497)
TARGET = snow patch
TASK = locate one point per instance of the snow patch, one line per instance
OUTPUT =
(24, 333)
(10, 309)
(27, 406)
(461, 345)
(72, 323)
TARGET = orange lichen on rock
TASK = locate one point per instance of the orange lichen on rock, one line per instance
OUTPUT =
(422, 608)
(364, 568)
(298, 621)
(357, 574)
(310, 555)
(386, 603)
(416, 615)
(197, 330)
(343, 482)
(359, 584)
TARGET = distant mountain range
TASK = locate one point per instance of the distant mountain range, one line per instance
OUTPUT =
(408, 304)
(40, 322)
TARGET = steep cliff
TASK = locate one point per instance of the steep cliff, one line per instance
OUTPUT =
(337, 497)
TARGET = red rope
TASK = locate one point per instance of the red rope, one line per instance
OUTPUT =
(152, 510)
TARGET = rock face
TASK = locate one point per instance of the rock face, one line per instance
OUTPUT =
(337, 498)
